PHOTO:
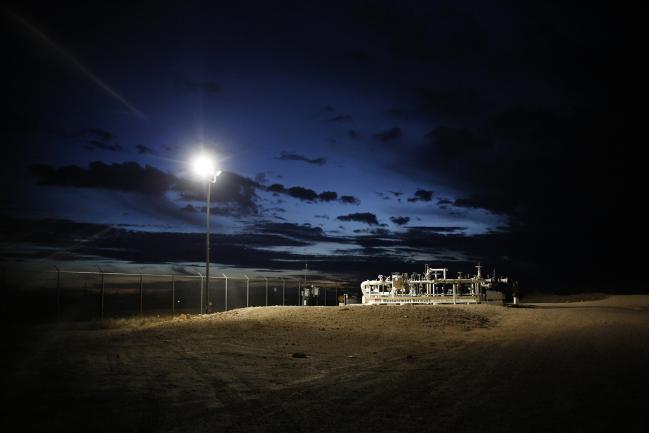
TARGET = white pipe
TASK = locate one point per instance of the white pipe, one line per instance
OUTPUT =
(442, 270)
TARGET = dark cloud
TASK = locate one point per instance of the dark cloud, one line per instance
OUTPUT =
(324, 217)
(82, 239)
(380, 250)
(237, 191)
(421, 195)
(144, 150)
(436, 229)
(478, 202)
(309, 195)
(224, 209)
(362, 217)
(388, 135)
(400, 220)
(127, 176)
(97, 138)
(328, 196)
(232, 189)
(246, 250)
(279, 189)
(190, 208)
(290, 156)
(349, 199)
(298, 192)
(163, 247)
(376, 231)
(548, 172)
(296, 231)
(505, 165)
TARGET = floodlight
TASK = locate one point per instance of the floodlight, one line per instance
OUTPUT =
(204, 167)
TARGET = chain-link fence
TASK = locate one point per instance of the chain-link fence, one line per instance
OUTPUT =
(82, 295)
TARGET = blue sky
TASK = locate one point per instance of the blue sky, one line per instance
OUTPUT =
(455, 131)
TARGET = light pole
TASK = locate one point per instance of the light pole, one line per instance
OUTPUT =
(204, 167)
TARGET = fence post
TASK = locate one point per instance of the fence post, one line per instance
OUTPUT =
(226, 292)
(201, 277)
(336, 295)
(58, 293)
(247, 290)
(173, 295)
(141, 292)
(299, 293)
(325, 296)
(283, 291)
(103, 286)
(266, 290)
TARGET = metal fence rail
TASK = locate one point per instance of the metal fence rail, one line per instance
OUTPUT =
(79, 295)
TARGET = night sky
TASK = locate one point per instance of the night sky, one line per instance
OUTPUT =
(360, 137)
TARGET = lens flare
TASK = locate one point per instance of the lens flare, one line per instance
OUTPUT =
(203, 166)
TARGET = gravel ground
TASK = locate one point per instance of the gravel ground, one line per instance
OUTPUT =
(565, 366)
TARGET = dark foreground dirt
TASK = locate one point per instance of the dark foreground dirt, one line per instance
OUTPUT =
(554, 367)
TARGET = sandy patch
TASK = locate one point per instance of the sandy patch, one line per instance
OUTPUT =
(550, 367)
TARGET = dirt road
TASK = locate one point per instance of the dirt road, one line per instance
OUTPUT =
(578, 366)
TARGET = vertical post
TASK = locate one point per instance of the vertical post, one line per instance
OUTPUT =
(514, 292)
(207, 250)
(247, 290)
(337, 295)
(202, 303)
(173, 295)
(325, 296)
(454, 292)
(299, 293)
(266, 290)
(58, 293)
(141, 292)
(283, 291)
(226, 292)
(103, 287)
